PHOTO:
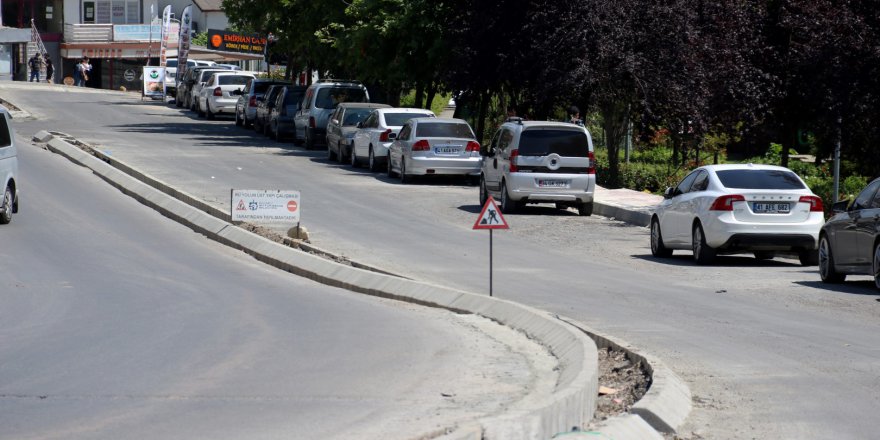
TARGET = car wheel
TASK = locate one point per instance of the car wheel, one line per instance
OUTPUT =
(809, 258)
(199, 110)
(403, 177)
(246, 122)
(703, 253)
(373, 165)
(585, 209)
(484, 193)
(331, 155)
(388, 170)
(658, 249)
(208, 112)
(6, 216)
(876, 265)
(341, 153)
(352, 158)
(238, 121)
(177, 102)
(507, 206)
(310, 142)
(764, 255)
(826, 263)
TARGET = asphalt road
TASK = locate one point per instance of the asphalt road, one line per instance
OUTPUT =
(768, 351)
(116, 322)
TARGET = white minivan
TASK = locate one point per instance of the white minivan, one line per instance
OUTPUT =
(8, 168)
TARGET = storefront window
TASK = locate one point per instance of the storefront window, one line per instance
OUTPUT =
(113, 11)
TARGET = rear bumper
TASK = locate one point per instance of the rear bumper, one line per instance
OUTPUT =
(725, 232)
(424, 166)
(222, 105)
(524, 187)
(769, 242)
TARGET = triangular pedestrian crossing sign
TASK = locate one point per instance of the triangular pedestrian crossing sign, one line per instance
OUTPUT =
(490, 217)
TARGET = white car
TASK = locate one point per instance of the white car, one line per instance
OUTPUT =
(216, 96)
(8, 168)
(434, 146)
(726, 209)
(377, 131)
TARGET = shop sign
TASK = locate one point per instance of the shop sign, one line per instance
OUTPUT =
(235, 42)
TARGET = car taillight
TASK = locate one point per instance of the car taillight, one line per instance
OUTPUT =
(421, 145)
(218, 92)
(725, 203)
(472, 147)
(815, 203)
(312, 122)
(252, 102)
(384, 136)
(513, 155)
(591, 168)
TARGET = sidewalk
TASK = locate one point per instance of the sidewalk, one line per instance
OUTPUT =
(626, 205)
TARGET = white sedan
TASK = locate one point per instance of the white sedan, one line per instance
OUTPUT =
(216, 95)
(726, 209)
(377, 131)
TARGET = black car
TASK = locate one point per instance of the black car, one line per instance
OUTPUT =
(281, 116)
(849, 243)
(264, 107)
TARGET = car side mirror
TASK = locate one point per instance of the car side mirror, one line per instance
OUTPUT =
(236, 92)
(669, 193)
(484, 150)
(392, 136)
(840, 206)
(334, 121)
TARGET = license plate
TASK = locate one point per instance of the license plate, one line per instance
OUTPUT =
(771, 208)
(548, 183)
(445, 150)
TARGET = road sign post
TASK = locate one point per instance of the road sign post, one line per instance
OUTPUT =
(490, 218)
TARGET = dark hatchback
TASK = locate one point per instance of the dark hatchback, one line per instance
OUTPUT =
(849, 243)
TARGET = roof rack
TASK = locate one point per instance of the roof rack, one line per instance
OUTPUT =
(326, 80)
(515, 119)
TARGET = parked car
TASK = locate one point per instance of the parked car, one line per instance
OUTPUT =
(434, 146)
(184, 87)
(281, 114)
(8, 168)
(196, 89)
(264, 106)
(216, 96)
(373, 137)
(343, 125)
(246, 106)
(321, 99)
(725, 209)
(849, 243)
(539, 162)
(171, 71)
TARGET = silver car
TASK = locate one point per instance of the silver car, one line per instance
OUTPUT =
(539, 162)
(434, 146)
(8, 169)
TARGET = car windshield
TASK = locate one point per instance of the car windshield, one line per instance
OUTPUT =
(566, 143)
(294, 97)
(238, 80)
(759, 179)
(355, 115)
(398, 119)
(444, 129)
(330, 97)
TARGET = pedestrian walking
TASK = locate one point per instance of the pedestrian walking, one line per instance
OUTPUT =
(50, 70)
(86, 70)
(36, 64)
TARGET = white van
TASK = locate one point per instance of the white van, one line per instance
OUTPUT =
(8, 168)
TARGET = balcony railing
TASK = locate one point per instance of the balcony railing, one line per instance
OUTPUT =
(81, 33)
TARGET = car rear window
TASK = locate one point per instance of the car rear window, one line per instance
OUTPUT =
(566, 143)
(329, 97)
(759, 179)
(355, 115)
(293, 98)
(397, 119)
(228, 80)
(261, 87)
(5, 140)
(444, 129)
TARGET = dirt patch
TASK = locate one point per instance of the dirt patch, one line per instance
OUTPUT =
(626, 383)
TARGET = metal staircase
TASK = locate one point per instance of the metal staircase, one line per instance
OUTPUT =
(36, 46)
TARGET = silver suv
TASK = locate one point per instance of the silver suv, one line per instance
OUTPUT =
(322, 97)
(8, 169)
(539, 162)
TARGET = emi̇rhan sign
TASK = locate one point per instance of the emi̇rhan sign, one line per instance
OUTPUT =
(275, 206)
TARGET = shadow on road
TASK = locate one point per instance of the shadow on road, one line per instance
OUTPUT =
(684, 258)
(220, 135)
(857, 287)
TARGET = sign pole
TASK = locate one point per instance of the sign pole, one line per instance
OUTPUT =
(490, 218)
(490, 262)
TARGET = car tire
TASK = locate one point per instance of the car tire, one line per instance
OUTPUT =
(374, 167)
(484, 193)
(330, 154)
(388, 170)
(246, 123)
(310, 142)
(177, 102)
(876, 265)
(208, 113)
(703, 253)
(352, 158)
(6, 216)
(585, 209)
(658, 249)
(340, 153)
(199, 110)
(764, 255)
(507, 206)
(238, 121)
(809, 258)
(403, 177)
(827, 272)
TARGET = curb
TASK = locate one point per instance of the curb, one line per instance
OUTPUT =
(573, 402)
(638, 217)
